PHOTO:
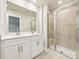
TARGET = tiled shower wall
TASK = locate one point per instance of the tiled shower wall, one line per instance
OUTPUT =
(66, 35)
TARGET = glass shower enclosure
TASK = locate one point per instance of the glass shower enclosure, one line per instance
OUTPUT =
(62, 31)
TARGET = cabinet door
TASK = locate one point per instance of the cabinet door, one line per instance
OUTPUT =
(12, 52)
(36, 47)
(25, 50)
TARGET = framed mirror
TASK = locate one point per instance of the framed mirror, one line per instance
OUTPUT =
(20, 19)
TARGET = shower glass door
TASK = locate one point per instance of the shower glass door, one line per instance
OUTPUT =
(51, 44)
(66, 31)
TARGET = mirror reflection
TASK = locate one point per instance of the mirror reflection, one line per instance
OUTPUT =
(20, 19)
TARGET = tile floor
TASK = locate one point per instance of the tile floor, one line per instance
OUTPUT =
(51, 55)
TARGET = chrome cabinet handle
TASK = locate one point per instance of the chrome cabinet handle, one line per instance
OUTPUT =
(21, 48)
(38, 42)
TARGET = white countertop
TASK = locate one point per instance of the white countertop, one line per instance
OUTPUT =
(6, 37)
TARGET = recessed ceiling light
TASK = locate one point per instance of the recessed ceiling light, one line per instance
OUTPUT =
(34, 1)
(60, 2)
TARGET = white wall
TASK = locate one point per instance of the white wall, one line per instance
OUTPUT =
(45, 10)
(39, 20)
(1, 22)
(2, 10)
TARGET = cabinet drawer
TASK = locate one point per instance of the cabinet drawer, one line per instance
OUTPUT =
(15, 41)
(10, 42)
(36, 37)
(25, 39)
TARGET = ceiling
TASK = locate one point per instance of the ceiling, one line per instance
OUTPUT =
(54, 4)
(38, 2)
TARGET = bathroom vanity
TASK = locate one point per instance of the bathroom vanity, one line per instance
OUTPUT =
(21, 31)
(21, 47)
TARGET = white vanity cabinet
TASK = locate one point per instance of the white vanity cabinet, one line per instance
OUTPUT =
(12, 52)
(25, 50)
(16, 48)
(22, 47)
(36, 46)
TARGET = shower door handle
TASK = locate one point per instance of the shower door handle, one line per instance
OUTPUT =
(22, 48)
